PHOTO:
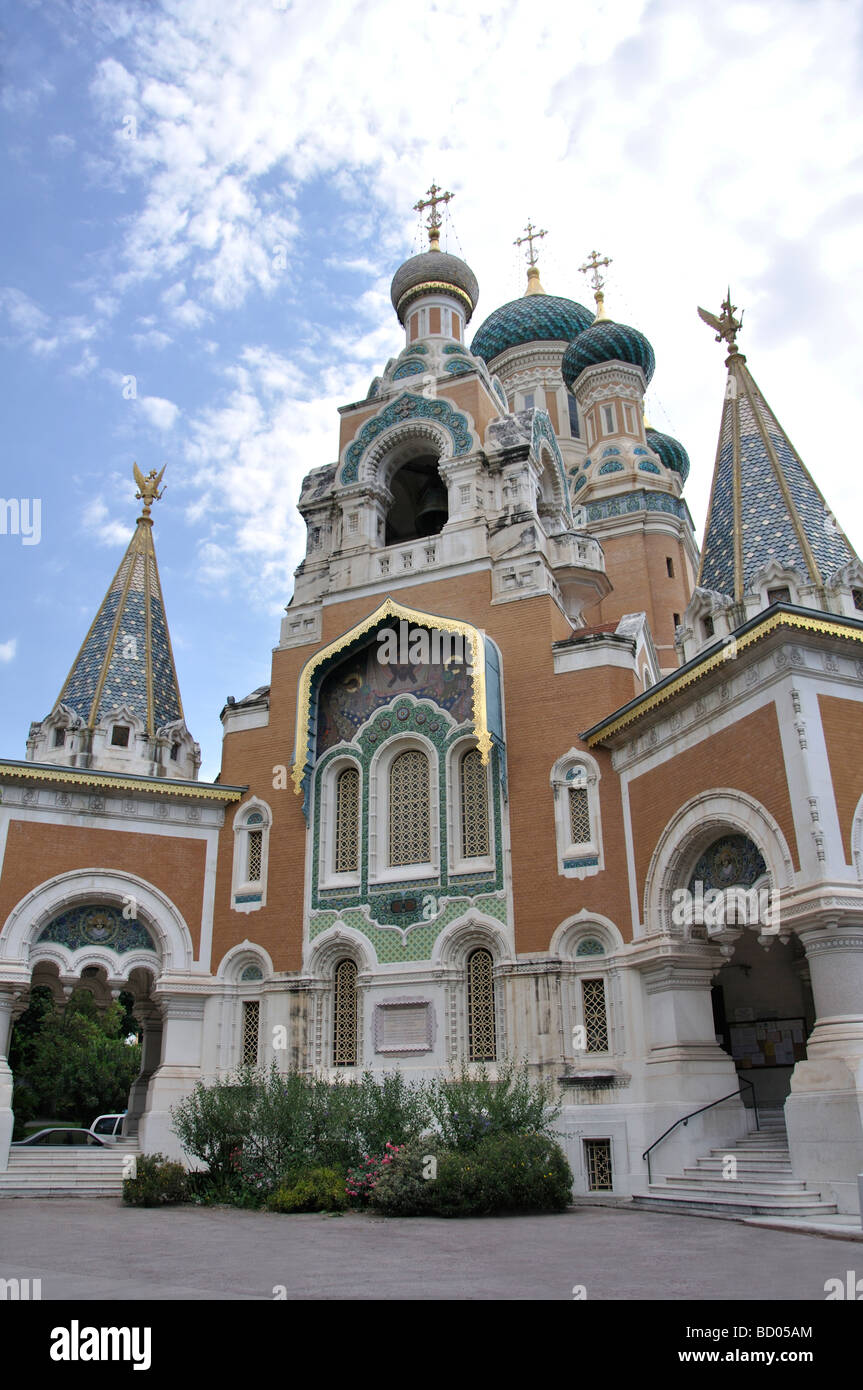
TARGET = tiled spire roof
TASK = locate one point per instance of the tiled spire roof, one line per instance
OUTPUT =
(764, 504)
(126, 658)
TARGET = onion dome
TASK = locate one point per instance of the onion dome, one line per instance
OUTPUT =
(670, 451)
(535, 318)
(434, 272)
(607, 341)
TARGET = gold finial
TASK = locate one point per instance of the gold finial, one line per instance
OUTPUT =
(434, 219)
(533, 285)
(597, 281)
(148, 488)
(726, 325)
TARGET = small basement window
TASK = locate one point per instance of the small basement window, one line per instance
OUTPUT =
(120, 736)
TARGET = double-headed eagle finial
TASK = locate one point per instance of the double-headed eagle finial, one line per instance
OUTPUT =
(148, 488)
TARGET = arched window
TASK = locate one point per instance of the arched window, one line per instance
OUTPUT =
(347, 841)
(410, 818)
(251, 847)
(480, 1007)
(345, 1015)
(575, 784)
(474, 806)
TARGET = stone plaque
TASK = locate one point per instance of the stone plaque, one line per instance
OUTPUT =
(404, 1025)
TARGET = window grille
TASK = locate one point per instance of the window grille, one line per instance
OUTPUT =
(348, 821)
(410, 818)
(595, 1017)
(256, 843)
(251, 1028)
(480, 1007)
(345, 1015)
(474, 806)
(597, 1161)
(579, 816)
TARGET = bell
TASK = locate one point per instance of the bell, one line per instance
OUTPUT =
(432, 509)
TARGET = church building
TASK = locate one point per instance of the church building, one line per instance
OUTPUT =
(532, 776)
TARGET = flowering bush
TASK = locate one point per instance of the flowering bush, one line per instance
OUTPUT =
(362, 1181)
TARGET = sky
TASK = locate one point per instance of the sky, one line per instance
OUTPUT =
(206, 200)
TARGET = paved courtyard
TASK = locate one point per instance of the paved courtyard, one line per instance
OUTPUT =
(98, 1249)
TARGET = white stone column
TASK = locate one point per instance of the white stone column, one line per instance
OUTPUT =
(824, 1112)
(180, 1068)
(151, 1052)
(8, 1004)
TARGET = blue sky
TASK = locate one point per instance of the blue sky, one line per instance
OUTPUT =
(211, 198)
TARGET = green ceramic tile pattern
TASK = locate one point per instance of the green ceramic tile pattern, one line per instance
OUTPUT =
(420, 940)
(403, 903)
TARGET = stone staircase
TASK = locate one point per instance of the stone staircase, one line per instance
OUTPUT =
(66, 1172)
(764, 1184)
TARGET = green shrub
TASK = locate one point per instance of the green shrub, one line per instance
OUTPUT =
(157, 1181)
(504, 1172)
(469, 1106)
(319, 1189)
(403, 1186)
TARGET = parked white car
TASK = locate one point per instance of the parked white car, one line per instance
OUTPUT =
(108, 1127)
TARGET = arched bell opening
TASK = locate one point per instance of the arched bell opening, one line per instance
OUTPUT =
(419, 507)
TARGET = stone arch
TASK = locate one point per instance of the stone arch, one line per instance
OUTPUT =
(240, 957)
(582, 925)
(336, 943)
(35, 910)
(398, 444)
(468, 933)
(452, 429)
(692, 829)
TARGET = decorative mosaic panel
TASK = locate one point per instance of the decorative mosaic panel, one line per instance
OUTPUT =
(638, 501)
(97, 925)
(646, 466)
(414, 942)
(251, 972)
(351, 692)
(611, 467)
(408, 368)
(589, 946)
(734, 861)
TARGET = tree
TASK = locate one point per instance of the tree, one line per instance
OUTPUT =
(72, 1063)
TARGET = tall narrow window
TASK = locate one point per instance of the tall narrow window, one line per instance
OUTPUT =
(579, 816)
(348, 821)
(345, 1015)
(595, 1017)
(410, 817)
(255, 850)
(480, 1007)
(474, 806)
(251, 1028)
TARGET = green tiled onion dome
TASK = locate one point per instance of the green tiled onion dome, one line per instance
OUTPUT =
(670, 450)
(434, 269)
(606, 341)
(535, 318)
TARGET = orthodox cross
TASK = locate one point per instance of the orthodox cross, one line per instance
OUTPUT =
(433, 224)
(531, 237)
(597, 281)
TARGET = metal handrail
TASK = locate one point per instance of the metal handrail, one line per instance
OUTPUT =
(684, 1120)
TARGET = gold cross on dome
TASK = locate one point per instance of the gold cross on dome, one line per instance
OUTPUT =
(597, 281)
(531, 237)
(433, 224)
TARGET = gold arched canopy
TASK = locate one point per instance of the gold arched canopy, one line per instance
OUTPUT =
(303, 756)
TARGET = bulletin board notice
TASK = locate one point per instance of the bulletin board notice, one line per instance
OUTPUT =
(768, 1042)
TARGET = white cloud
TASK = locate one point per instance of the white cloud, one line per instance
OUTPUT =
(158, 411)
(101, 527)
(8, 649)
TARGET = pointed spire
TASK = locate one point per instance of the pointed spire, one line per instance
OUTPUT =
(764, 504)
(126, 661)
